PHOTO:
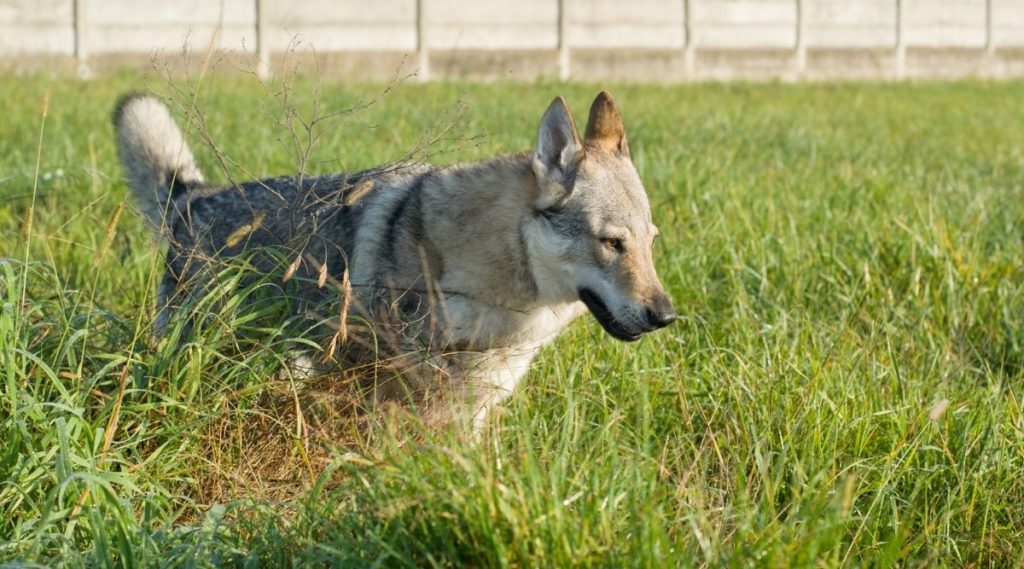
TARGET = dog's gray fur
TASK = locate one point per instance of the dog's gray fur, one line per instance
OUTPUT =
(499, 256)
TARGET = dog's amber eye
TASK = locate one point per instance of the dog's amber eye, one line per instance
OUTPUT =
(612, 243)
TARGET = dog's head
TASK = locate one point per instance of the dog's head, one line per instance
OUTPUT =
(592, 235)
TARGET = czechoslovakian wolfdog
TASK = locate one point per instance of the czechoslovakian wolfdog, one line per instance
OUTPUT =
(491, 260)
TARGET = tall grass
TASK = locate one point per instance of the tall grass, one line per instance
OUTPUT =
(843, 388)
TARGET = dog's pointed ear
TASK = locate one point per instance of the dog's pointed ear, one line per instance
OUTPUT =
(604, 127)
(557, 155)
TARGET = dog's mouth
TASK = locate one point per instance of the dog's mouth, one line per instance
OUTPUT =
(604, 316)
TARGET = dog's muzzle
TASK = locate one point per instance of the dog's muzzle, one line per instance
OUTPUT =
(659, 315)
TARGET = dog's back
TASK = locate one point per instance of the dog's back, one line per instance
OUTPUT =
(294, 215)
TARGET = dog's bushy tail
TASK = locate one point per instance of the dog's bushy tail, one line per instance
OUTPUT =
(158, 163)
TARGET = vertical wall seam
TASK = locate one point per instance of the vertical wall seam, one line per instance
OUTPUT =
(262, 46)
(422, 42)
(81, 43)
(564, 70)
(901, 46)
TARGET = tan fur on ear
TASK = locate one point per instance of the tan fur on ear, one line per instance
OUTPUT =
(604, 127)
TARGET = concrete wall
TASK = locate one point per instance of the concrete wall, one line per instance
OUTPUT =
(340, 25)
(640, 24)
(745, 23)
(1008, 23)
(946, 23)
(36, 27)
(117, 26)
(846, 24)
(662, 40)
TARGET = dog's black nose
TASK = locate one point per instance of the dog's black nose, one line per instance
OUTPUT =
(661, 316)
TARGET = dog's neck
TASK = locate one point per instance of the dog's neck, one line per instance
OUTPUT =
(470, 242)
(485, 204)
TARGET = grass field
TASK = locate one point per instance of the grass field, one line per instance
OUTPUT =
(844, 386)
